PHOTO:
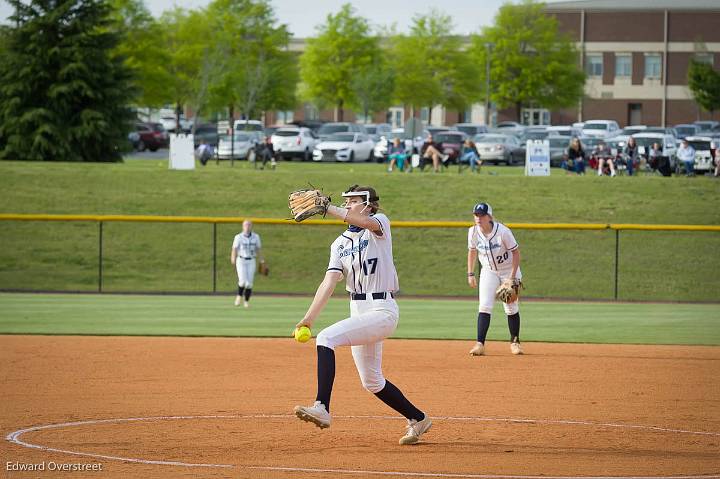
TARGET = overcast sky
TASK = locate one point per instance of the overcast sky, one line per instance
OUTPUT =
(303, 16)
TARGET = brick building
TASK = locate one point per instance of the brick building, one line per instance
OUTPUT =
(636, 54)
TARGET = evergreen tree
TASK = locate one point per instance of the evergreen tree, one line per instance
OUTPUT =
(63, 93)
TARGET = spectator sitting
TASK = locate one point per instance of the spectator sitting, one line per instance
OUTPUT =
(204, 152)
(397, 155)
(575, 157)
(266, 151)
(470, 155)
(604, 157)
(430, 149)
(686, 154)
(717, 162)
(658, 162)
(630, 155)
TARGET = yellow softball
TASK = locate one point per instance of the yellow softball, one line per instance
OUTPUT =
(302, 334)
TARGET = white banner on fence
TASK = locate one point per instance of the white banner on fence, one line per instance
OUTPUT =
(537, 158)
(182, 152)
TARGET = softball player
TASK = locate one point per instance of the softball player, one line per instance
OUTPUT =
(499, 255)
(363, 256)
(245, 248)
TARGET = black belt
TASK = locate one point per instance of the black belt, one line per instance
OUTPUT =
(363, 296)
(243, 257)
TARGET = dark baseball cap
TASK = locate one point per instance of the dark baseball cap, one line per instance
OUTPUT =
(482, 209)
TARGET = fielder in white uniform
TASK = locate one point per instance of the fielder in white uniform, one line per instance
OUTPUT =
(363, 256)
(245, 248)
(494, 244)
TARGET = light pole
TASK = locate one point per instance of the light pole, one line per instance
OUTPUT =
(488, 50)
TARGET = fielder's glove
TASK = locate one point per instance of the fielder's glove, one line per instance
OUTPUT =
(307, 203)
(508, 290)
(263, 268)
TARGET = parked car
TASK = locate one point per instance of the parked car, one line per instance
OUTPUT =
(631, 130)
(564, 130)
(497, 148)
(270, 130)
(240, 146)
(707, 126)
(149, 136)
(538, 132)
(248, 125)
(471, 129)
(207, 133)
(329, 129)
(451, 143)
(603, 128)
(668, 145)
(346, 147)
(704, 150)
(314, 125)
(376, 131)
(509, 128)
(558, 149)
(292, 142)
(686, 129)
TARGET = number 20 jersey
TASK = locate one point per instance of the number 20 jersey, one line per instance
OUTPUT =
(495, 250)
(365, 259)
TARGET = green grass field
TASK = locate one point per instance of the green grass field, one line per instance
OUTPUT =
(635, 323)
(678, 266)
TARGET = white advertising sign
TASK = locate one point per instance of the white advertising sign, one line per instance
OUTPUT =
(537, 158)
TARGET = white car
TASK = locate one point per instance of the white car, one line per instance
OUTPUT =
(290, 142)
(668, 145)
(345, 147)
(241, 146)
(602, 128)
(564, 130)
(248, 125)
(703, 146)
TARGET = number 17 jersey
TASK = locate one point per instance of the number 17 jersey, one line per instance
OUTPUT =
(366, 259)
(494, 250)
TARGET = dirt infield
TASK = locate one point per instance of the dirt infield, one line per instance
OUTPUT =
(217, 407)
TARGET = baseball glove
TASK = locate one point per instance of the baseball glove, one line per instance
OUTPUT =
(307, 203)
(263, 268)
(509, 290)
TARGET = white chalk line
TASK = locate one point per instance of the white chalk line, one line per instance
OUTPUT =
(14, 437)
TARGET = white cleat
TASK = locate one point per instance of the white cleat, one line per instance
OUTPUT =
(515, 348)
(415, 429)
(246, 304)
(478, 350)
(316, 414)
(237, 300)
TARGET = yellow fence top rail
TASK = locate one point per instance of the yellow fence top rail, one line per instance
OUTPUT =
(398, 224)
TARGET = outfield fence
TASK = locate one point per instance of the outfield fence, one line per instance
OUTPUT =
(39, 254)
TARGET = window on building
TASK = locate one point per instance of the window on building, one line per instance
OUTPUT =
(623, 65)
(653, 65)
(285, 117)
(704, 58)
(310, 112)
(594, 65)
(425, 114)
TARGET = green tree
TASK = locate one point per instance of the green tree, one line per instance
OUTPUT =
(63, 93)
(432, 66)
(343, 48)
(261, 73)
(704, 83)
(532, 63)
(142, 49)
(373, 87)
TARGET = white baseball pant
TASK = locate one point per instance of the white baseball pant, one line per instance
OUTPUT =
(245, 271)
(489, 282)
(370, 321)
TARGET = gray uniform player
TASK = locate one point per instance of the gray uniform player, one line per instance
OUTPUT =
(245, 248)
(363, 256)
(494, 245)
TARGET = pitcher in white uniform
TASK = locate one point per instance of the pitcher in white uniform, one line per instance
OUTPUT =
(494, 244)
(363, 256)
(245, 248)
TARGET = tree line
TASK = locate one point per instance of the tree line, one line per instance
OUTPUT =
(72, 71)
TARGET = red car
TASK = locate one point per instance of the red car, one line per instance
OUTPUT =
(150, 136)
(451, 143)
